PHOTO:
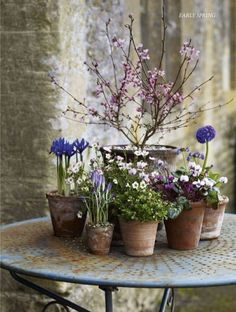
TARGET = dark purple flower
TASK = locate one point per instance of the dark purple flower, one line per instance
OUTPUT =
(69, 149)
(169, 186)
(62, 147)
(57, 147)
(205, 134)
(80, 145)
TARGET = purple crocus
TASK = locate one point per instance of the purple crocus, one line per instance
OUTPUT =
(205, 134)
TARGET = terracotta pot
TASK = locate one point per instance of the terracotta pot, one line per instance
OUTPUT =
(166, 153)
(212, 221)
(68, 214)
(99, 238)
(183, 233)
(138, 237)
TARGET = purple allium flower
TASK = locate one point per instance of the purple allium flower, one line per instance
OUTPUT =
(205, 134)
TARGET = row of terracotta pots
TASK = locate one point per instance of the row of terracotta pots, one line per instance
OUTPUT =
(68, 216)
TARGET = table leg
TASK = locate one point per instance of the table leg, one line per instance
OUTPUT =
(108, 297)
(48, 293)
(168, 298)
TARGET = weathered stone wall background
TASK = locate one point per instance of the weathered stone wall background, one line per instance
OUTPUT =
(38, 36)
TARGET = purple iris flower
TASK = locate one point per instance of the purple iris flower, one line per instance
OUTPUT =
(69, 149)
(57, 147)
(80, 145)
(205, 134)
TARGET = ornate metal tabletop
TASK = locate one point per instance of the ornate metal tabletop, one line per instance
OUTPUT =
(30, 248)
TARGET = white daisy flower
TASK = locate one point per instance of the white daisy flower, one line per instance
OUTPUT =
(115, 181)
(79, 181)
(69, 181)
(108, 156)
(135, 185)
(143, 185)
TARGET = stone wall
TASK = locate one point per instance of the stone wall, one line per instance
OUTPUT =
(50, 35)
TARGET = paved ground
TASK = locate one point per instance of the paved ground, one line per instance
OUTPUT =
(214, 299)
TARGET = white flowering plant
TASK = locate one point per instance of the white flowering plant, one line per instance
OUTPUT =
(193, 181)
(133, 197)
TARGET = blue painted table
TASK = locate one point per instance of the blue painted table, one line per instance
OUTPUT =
(29, 248)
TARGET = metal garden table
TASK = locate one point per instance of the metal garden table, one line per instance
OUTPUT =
(29, 248)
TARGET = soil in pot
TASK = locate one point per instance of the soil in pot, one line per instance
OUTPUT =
(68, 214)
(138, 237)
(212, 221)
(99, 238)
(183, 233)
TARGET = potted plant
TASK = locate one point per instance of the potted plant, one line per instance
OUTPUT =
(99, 230)
(216, 202)
(140, 102)
(190, 189)
(138, 206)
(67, 208)
(186, 211)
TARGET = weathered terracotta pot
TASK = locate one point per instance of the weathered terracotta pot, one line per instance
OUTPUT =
(212, 221)
(99, 238)
(138, 237)
(183, 233)
(68, 214)
(166, 153)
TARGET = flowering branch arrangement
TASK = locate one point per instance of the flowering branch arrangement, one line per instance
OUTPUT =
(64, 150)
(193, 181)
(155, 104)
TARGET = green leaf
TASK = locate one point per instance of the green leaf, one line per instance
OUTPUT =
(212, 199)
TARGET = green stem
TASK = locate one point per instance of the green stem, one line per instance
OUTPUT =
(206, 156)
(60, 175)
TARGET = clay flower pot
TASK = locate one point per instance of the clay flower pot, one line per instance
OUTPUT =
(183, 233)
(212, 221)
(99, 238)
(138, 237)
(68, 214)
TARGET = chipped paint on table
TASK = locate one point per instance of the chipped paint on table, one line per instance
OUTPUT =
(30, 248)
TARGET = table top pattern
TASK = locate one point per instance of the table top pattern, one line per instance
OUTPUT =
(29, 247)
